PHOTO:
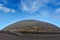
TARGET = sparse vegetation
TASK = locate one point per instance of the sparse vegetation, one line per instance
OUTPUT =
(30, 30)
(34, 30)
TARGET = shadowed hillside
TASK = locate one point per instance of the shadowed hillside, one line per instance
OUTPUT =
(32, 25)
(30, 30)
(10, 36)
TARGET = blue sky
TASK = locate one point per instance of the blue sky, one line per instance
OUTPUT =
(12, 11)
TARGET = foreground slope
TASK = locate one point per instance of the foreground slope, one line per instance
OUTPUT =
(5, 36)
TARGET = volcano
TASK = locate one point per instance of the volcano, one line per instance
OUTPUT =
(32, 25)
(30, 30)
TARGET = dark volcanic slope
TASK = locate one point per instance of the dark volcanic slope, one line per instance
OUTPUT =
(4, 36)
(33, 23)
(27, 24)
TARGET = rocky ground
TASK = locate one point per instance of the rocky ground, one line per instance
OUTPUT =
(6, 36)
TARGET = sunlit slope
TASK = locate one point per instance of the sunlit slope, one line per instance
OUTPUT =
(32, 26)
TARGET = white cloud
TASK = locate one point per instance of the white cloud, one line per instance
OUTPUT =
(54, 2)
(24, 7)
(5, 9)
(56, 14)
(44, 13)
(12, 10)
(46, 1)
(57, 10)
(1, 6)
(33, 6)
